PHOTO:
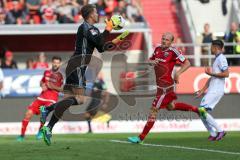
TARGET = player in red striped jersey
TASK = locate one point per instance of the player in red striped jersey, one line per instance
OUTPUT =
(163, 59)
(51, 85)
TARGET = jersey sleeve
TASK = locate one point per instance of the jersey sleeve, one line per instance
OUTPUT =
(179, 57)
(223, 64)
(97, 38)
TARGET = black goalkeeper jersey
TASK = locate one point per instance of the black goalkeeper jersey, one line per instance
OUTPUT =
(89, 38)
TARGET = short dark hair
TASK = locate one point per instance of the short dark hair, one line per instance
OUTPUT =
(87, 10)
(56, 58)
(218, 43)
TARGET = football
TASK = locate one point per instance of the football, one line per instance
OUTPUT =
(118, 22)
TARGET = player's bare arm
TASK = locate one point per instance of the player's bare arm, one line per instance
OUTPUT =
(55, 87)
(200, 92)
(223, 74)
(183, 68)
(208, 71)
(43, 86)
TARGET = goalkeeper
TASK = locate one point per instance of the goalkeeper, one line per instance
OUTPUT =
(88, 38)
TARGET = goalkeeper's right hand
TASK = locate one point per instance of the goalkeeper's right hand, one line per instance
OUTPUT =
(120, 37)
(109, 25)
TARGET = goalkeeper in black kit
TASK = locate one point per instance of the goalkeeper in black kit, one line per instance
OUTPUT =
(88, 38)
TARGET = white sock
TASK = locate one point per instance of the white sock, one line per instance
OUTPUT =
(209, 128)
(213, 123)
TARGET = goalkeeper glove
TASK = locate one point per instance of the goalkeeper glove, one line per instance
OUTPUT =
(109, 25)
(121, 37)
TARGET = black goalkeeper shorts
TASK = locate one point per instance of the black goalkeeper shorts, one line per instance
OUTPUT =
(77, 77)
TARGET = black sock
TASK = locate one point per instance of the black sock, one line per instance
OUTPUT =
(60, 108)
(89, 125)
(53, 121)
(51, 107)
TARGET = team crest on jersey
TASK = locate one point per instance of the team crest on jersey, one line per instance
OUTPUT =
(93, 31)
(166, 54)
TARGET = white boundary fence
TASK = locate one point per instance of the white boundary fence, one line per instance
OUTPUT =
(197, 55)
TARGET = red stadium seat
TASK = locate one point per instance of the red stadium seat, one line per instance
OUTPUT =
(161, 15)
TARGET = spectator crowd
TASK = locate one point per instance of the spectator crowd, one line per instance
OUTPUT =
(7, 61)
(231, 38)
(65, 11)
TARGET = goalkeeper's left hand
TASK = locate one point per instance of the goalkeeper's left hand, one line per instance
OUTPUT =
(121, 37)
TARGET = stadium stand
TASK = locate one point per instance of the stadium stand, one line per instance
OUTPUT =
(161, 16)
(64, 11)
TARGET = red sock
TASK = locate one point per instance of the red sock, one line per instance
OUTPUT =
(41, 125)
(185, 107)
(148, 126)
(24, 126)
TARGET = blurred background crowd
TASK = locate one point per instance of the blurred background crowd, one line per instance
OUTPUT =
(65, 11)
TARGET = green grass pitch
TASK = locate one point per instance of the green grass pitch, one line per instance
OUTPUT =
(164, 146)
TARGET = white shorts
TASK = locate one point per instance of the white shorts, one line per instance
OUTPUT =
(210, 100)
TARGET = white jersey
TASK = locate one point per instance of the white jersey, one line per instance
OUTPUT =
(216, 85)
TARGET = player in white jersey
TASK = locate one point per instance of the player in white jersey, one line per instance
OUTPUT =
(215, 90)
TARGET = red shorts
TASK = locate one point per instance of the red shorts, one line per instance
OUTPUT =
(162, 100)
(35, 106)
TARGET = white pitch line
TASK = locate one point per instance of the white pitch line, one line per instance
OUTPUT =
(182, 147)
